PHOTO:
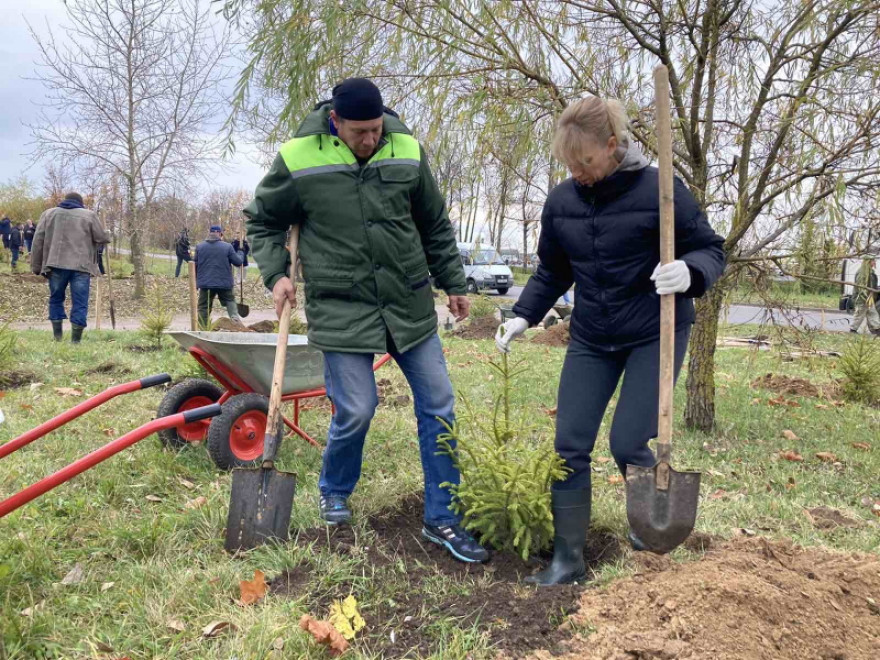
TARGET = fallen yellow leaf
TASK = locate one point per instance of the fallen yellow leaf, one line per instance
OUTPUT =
(253, 591)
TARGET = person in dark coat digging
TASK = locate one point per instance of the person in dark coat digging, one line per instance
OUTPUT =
(600, 230)
(214, 258)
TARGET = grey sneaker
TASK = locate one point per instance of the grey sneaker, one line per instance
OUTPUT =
(334, 510)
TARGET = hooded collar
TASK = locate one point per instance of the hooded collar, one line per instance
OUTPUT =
(632, 163)
(70, 204)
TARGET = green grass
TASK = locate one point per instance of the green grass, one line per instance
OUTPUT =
(787, 294)
(166, 562)
(521, 275)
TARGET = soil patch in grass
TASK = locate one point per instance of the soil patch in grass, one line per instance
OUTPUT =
(9, 380)
(556, 335)
(108, 368)
(796, 386)
(824, 517)
(517, 618)
(143, 348)
(484, 327)
(746, 600)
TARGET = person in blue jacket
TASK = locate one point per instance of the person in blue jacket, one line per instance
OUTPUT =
(214, 259)
(600, 229)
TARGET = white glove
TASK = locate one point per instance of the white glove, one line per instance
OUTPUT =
(674, 277)
(509, 331)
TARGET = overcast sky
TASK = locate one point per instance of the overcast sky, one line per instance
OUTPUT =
(19, 97)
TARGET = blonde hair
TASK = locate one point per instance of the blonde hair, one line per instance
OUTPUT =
(588, 122)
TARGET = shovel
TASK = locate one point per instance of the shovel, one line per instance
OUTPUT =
(262, 498)
(243, 310)
(661, 503)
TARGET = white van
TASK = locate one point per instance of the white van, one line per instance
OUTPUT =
(484, 268)
(849, 271)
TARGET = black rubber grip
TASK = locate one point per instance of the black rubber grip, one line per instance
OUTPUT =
(152, 381)
(204, 412)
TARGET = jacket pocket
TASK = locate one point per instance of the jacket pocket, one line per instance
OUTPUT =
(397, 182)
(421, 295)
(329, 302)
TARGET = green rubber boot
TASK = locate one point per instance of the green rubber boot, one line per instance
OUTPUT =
(76, 333)
(571, 518)
(58, 330)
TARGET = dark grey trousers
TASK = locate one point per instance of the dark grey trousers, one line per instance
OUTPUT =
(589, 378)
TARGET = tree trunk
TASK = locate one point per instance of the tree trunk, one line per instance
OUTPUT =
(699, 411)
(135, 247)
(525, 258)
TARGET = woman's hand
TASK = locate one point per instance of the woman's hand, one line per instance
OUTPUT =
(674, 277)
(509, 331)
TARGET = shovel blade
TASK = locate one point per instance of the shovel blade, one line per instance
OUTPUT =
(259, 508)
(662, 519)
(243, 310)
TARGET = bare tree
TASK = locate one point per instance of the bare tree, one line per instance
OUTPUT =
(134, 87)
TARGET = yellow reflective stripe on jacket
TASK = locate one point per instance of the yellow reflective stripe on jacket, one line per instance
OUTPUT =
(307, 155)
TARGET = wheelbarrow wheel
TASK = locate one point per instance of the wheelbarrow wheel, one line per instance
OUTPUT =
(189, 394)
(235, 437)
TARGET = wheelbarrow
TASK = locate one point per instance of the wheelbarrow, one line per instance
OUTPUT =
(186, 417)
(242, 363)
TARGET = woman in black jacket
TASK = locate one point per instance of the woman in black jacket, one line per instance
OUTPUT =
(600, 230)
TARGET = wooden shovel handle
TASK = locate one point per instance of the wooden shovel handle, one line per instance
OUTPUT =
(273, 423)
(667, 254)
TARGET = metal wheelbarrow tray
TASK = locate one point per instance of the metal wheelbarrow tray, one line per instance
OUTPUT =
(242, 363)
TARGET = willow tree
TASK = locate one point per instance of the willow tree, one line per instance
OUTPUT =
(775, 105)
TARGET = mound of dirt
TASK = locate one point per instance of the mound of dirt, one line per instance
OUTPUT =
(228, 325)
(517, 619)
(483, 327)
(555, 335)
(9, 380)
(747, 600)
(263, 326)
(796, 386)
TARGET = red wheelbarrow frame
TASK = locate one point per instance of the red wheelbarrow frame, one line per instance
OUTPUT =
(233, 384)
(101, 454)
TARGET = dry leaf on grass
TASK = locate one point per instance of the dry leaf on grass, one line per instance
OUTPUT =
(550, 412)
(153, 498)
(30, 611)
(252, 591)
(345, 617)
(103, 648)
(215, 628)
(324, 633)
(821, 406)
(107, 585)
(278, 644)
(791, 456)
(615, 479)
(67, 391)
(74, 576)
(826, 457)
(197, 502)
(602, 459)
(189, 485)
(788, 434)
(864, 446)
(176, 625)
(110, 432)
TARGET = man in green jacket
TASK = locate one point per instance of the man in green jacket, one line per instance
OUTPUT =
(373, 227)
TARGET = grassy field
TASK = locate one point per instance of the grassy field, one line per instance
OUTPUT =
(155, 573)
(785, 294)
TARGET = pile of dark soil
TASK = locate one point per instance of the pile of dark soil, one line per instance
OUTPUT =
(391, 394)
(13, 378)
(225, 324)
(264, 326)
(555, 335)
(518, 619)
(796, 386)
(748, 599)
(483, 327)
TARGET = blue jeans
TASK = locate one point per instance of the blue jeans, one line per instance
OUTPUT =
(79, 282)
(351, 386)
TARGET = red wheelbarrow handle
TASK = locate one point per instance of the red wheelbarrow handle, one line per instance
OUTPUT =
(90, 460)
(82, 408)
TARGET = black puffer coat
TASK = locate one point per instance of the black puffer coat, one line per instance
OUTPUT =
(605, 239)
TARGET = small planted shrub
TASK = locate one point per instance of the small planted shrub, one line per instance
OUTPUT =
(481, 307)
(157, 316)
(506, 473)
(860, 365)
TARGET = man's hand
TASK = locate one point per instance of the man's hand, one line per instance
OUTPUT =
(283, 290)
(460, 306)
